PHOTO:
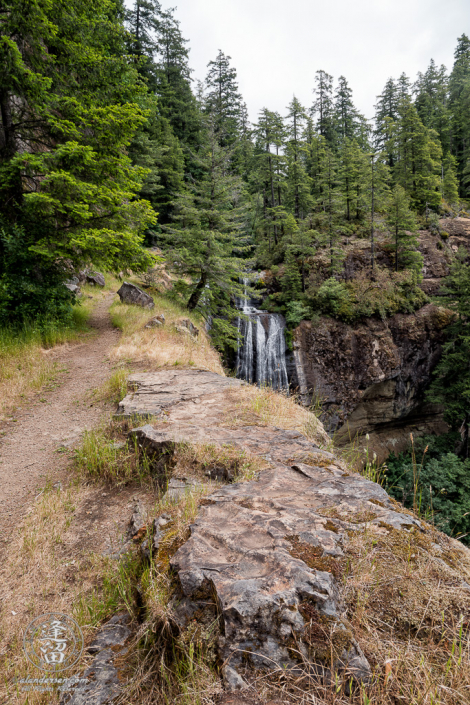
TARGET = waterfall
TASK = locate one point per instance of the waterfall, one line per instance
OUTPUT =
(261, 354)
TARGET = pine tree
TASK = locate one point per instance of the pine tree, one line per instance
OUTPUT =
(173, 80)
(386, 113)
(298, 191)
(402, 222)
(207, 240)
(451, 384)
(459, 103)
(348, 122)
(222, 99)
(322, 106)
(418, 156)
(450, 182)
(67, 186)
(431, 102)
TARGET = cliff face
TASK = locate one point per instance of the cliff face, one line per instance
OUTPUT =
(371, 377)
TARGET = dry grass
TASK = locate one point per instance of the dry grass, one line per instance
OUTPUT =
(263, 406)
(40, 575)
(26, 362)
(169, 666)
(204, 460)
(163, 346)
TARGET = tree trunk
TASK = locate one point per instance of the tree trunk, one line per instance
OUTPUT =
(196, 295)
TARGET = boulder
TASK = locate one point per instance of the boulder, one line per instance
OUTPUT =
(95, 278)
(186, 327)
(131, 294)
(156, 321)
(73, 285)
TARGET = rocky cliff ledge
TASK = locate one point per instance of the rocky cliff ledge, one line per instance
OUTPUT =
(371, 377)
(268, 562)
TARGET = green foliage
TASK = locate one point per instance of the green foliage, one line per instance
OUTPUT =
(296, 311)
(451, 384)
(402, 223)
(69, 112)
(206, 240)
(386, 294)
(334, 299)
(437, 480)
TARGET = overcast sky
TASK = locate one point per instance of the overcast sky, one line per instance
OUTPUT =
(278, 45)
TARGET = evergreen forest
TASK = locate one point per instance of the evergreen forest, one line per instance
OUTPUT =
(112, 156)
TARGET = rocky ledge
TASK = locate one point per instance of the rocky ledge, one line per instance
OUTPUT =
(265, 559)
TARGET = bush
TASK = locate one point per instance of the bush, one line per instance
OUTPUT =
(31, 288)
(334, 298)
(386, 294)
(296, 311)
(442, 484)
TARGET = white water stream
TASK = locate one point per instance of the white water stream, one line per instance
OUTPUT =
(261, 355)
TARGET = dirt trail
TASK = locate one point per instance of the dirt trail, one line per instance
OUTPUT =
(54, 419)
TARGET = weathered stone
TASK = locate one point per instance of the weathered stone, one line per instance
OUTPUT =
(104, 684)
(372, 376)
(131, 294)
(156, 321)
(96, 278)
(186, 327)
(72, 285)
(266, 548)
(114, 633)
(158, 392)
(137, 521)
(178, 487)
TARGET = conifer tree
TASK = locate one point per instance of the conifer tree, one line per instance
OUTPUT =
(322, 107)
(68, 190)
(402, 222)
(459, 103)
(207, 239)
(451, 384)
(222, 100)
(298, 192)
(173, 80)
(450, 182)
(386, 113)
(431, 102)
(418, 156)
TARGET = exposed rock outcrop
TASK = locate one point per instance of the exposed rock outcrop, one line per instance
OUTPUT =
(372, 376)
(264, 557)
(102, 683)
(131, 294)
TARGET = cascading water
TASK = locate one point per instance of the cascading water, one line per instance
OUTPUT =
(261, 355)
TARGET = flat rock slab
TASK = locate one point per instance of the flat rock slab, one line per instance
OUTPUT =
(264, 557)
(268, 550)
(155, 393)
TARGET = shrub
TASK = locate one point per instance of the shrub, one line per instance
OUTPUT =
(440, 481)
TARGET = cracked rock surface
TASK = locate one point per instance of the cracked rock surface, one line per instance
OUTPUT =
(264, 557)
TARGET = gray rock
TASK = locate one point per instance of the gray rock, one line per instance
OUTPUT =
(186, 327)
(103, 684)
(158, 392)
(232, 680)
(178, 487)
(136, 522)
(156, 321)
(131, 294)
(114, 633)
(72, 285)
(96, 278)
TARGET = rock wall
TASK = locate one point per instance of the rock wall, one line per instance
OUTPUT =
(371, 377)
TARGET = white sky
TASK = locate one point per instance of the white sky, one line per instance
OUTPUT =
(278, 45)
